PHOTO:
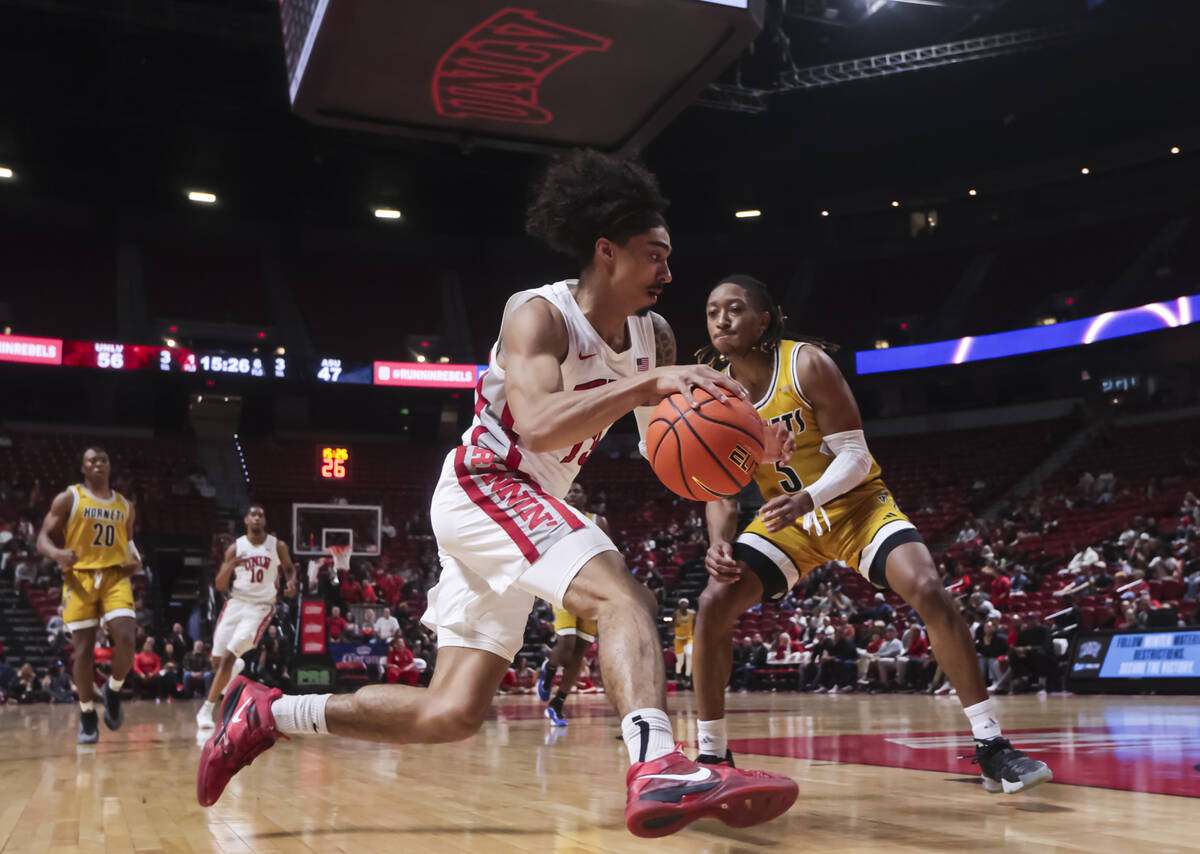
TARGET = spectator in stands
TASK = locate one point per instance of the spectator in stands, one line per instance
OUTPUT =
(880, 610)
(386, 625)
(526, 676)
(388, 529)
(741, 667)
(1128, 618)
(1106, 484)
(272, 665)
(335, 624)
(1000, 590)
(180, 641)
(197, 671)
(866, 655)
(916, 653)
(26, 570)
(1086, 487)
(367, 626)
(888, 657)
(1032, 655)
(172, 673)
(968, 533)
(58, 685)
(27, 688)
(141, 611)
(352, 633)
(836, 661)
(991, 646)
(145, 678)
(351, 590)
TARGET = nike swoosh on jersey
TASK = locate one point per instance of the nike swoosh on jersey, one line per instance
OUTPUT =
(588, 356)
(695, 777)
(237, 716)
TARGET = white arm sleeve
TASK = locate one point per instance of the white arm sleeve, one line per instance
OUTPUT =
(850, 465)
(642, 415)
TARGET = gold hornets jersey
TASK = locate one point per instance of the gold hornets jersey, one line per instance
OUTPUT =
(785, 402)
(97, 530)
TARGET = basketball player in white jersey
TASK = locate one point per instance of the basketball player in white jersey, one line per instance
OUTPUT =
(571, 359)
(252, 564)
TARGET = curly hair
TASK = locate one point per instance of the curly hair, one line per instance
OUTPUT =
(585, 195)
(759, 296)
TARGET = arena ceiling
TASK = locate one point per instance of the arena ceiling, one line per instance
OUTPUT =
(120, 103)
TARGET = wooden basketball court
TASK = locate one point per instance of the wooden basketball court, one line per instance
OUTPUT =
(518, 786)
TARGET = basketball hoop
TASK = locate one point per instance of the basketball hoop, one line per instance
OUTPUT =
(341, 558)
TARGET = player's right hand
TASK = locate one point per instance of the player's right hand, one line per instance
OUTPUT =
(720, 563)
(681, 379)
(66, 558)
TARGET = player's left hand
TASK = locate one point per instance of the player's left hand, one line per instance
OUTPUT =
(289, 590)
(780, 443)
(783, 510)
(131, 567)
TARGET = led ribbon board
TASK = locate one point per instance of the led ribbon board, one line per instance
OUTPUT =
(1101, 327)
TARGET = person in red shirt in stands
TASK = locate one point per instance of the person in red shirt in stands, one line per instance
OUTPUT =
(916, 650)
(145, 673)
(369, 596)
(400, 663)
(352, 593)
(335, 623)
(1001, 585)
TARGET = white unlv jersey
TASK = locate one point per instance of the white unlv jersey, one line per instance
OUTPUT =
(254, 576)
(589, 363)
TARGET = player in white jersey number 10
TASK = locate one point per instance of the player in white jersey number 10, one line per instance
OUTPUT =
(571, 359)
(249, 576)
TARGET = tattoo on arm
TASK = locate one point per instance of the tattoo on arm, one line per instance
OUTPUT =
(664, 342)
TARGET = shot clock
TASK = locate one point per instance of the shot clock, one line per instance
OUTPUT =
(333, 463)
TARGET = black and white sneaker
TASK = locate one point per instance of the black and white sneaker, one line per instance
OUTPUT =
(1006, 769)
(89, 728)
(713, 759)
(114, 715)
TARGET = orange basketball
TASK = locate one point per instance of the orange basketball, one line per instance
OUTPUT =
(705, 453)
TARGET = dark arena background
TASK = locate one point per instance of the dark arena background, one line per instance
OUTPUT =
(258, 251)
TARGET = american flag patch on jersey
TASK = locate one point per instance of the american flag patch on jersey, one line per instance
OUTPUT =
(643, 363)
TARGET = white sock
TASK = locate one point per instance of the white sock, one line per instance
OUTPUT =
(207, 708)
(983, 720)
(88, 706)
(647, 734)
(114, 683)
(713, 738)
(301, 714)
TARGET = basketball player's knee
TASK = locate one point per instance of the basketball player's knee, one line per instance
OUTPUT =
(123, 633)
(454, 722)
(930, 599)
(716, 606)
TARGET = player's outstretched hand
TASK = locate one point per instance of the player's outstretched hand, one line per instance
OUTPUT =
(781, 444)
(783, 511)
(720, 563)
(672, 379)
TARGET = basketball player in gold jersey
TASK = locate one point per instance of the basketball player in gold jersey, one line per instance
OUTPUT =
(682, 619)
(89, 533)
(827, 502)
(574, 634)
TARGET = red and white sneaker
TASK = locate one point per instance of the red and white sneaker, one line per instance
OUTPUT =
(247, 729)
(669, 793)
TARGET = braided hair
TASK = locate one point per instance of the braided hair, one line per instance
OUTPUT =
(759, 296)
(585, 195)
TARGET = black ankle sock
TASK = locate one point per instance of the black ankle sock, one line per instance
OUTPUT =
(557, 701)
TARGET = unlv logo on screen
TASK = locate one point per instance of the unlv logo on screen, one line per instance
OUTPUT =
(496, 70)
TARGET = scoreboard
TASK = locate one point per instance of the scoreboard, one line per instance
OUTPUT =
(234, 364)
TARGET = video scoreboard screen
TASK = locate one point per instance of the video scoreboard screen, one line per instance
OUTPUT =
(1166, 659)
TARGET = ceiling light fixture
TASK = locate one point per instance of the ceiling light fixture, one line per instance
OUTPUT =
(895, 203)
(972, 192)
(386, 213)
(1174, 149)
(1085, 171)
(824, 213)
(751, 214)
(202, 197)
(5, 172)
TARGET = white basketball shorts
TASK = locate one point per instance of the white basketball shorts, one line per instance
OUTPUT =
(240, 627)
(502, 541)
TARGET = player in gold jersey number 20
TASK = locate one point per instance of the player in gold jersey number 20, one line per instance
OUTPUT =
(89, 533)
